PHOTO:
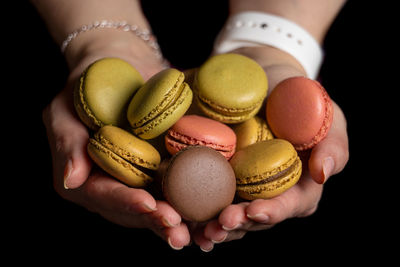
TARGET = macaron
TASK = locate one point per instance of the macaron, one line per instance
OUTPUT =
(199, 183)
(230, 87)
(300, 111)
(266, 169)
(159, 103)
(124, 156)
(252, 131)
(104, 91)
(192, 130)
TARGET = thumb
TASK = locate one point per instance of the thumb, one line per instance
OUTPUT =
(68, 139)
(331, 154)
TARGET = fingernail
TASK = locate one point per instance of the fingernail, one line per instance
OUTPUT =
(147, 207)
(67, 173)
(226, 228)
(172, 246)
(207, 248)
(220, 240)
(327, 168)
(260, 217)
(167, 223)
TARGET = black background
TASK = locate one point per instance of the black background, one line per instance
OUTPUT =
(44, 227)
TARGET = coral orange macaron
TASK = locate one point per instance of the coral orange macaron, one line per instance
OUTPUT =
(300, 110)
(193, 130)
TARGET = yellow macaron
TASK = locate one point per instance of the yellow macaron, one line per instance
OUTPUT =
(124, 156)
(230, 87)
(252, 131)
(159, 103)
(103, 92)
(266, 169)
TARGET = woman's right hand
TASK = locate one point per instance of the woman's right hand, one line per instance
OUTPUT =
(77, 180)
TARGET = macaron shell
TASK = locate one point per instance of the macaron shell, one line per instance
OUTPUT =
(116, 166)
(199, 183)
(129, 147)
(261, 159)
(198, 130)
(154, 96)
(174, 147)
(230, 85)
(104, 91)
(252, 131)
(159, 103)
(121, 154)
(168, 117)
(231, 118)
(231, 81)
(300, 111)
(271, 189)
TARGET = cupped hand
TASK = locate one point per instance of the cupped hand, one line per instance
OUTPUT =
(327, 158)
(78, 180)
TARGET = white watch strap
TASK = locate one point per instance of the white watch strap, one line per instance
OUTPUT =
(252, 28)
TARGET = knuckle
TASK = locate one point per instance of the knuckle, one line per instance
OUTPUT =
(90, 189)
(61, 142)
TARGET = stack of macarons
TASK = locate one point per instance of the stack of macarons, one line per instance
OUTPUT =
(216, 141)
(113, 100)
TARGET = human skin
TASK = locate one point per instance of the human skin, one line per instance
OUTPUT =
(76, 180)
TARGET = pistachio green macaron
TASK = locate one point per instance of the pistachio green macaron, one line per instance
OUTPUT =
(104, 90)
(266, 169)
(230, 87)
(124, 156)
(159, 103)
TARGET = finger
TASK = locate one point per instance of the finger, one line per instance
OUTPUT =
(331, 154)
(68, 139)
(133, 207)
(300, 200)
(105, 193)
(113, 195)
(178, 237)
(204, 243)
(233, 216)
(165, 215)
(214, 232)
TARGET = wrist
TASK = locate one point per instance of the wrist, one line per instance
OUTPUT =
(96, 44)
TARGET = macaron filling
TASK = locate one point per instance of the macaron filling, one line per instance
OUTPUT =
(129, 157)
(272, 182)
(228, 111)
(130, 163)
(278, 175)
(233, 117)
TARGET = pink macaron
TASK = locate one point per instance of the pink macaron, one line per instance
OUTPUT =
(193, 130)
(300, 111)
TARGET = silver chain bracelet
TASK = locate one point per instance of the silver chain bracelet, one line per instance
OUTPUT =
(143, 34)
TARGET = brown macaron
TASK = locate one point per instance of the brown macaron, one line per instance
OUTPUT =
(199, 183)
